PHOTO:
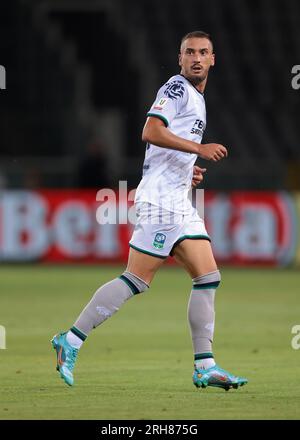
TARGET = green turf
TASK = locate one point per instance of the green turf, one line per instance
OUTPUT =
(139, 364)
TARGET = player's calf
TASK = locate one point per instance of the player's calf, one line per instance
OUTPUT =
(106, 301)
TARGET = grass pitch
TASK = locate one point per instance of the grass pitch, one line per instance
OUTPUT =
(138, 364)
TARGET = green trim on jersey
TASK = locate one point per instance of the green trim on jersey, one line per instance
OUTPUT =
(165, 120)
(146, 252)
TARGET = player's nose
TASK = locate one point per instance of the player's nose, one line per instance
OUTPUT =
(197, 57)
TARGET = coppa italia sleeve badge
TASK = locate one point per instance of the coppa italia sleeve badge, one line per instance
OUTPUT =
(175, 89)
(160, 104)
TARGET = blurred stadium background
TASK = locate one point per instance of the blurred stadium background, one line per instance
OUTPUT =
(80, 76)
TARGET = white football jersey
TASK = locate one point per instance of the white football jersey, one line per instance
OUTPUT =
(167, 173)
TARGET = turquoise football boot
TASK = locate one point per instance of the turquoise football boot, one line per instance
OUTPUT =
(216, 377)
(66, 357)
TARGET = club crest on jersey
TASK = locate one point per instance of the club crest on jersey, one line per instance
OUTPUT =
(175, 89)
(160, 104)
(159, 240)
(198, 127)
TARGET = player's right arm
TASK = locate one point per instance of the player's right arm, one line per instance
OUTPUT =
(156, 133)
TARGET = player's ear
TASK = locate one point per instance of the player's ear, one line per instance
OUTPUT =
(213, 59)
(179, 59)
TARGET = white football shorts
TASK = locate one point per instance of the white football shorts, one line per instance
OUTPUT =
(158, 231)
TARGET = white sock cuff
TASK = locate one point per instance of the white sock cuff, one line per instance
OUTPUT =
(210, 277)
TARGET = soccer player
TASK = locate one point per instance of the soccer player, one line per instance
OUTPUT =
(167, 223)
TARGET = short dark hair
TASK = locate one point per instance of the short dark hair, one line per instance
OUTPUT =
(196, 34)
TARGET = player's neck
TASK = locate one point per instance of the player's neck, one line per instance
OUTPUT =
(198, 86)
(201, 86)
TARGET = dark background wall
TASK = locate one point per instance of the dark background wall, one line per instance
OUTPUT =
(82, 74)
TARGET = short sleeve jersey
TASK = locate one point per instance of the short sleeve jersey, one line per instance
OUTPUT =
(167, 173)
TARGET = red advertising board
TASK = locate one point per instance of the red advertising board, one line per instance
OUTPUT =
(252, 227)
(62, 226)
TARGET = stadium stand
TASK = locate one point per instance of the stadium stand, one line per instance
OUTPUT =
(68, 62)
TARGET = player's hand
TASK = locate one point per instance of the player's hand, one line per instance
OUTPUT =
(212, 152)
(197, 175)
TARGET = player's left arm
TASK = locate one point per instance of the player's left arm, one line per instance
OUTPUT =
(197, 175)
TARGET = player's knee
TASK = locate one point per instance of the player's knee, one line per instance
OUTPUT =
(138, 284)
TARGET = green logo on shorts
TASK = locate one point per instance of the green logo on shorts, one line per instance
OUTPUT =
(159, 240)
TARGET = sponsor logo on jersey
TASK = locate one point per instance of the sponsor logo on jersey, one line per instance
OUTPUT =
(175, 89)
(159, 240)
(198, 127)
(160, 104)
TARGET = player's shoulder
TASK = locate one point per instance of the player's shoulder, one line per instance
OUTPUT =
(175, 87)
